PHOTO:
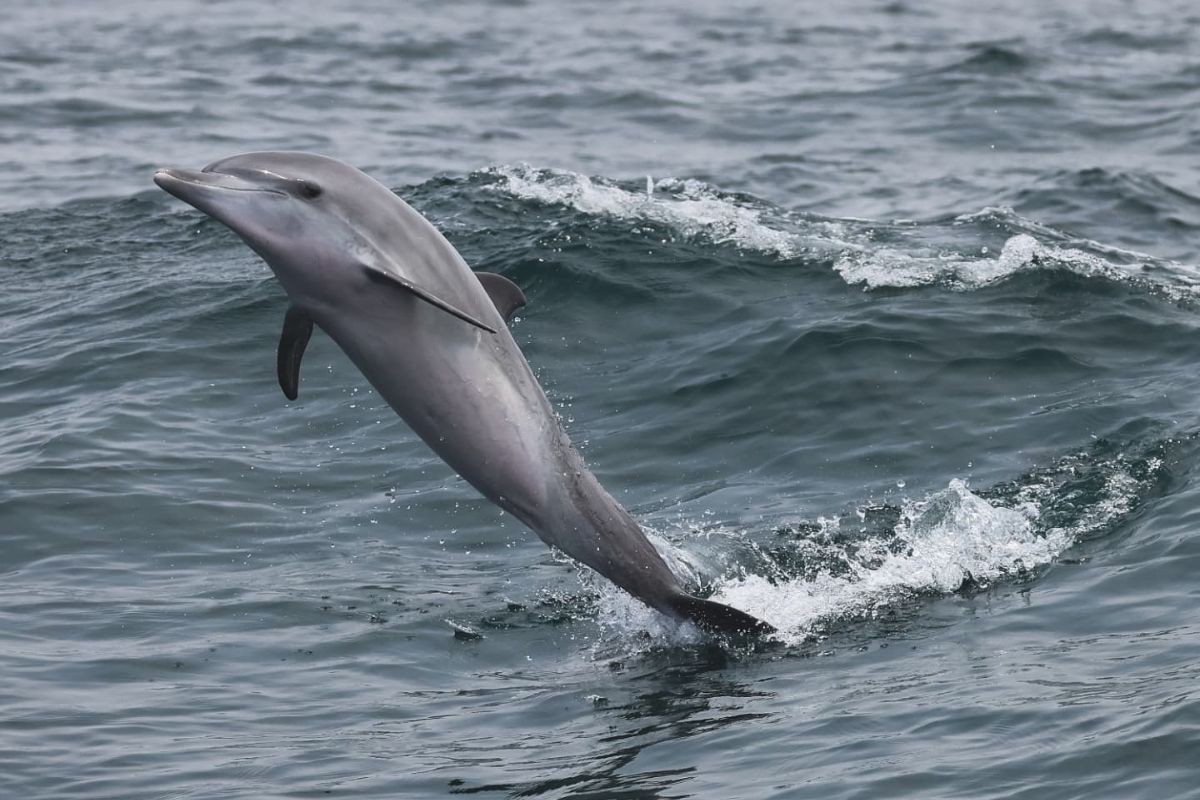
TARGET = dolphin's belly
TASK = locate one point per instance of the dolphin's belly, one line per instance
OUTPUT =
(473, 399)
(471, 396)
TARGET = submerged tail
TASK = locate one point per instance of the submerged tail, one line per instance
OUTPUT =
(717, 618)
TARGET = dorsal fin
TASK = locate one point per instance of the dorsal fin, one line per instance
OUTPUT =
(427, 296)
(507, 296)
(297, 329)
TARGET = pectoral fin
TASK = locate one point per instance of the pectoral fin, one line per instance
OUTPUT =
(378, 274)
(507, 296)
(297, 329)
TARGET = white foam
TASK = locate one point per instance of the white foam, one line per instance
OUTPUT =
(693, 209)
(940, 542)
(879, 267)
(688, 207)
(945, 539)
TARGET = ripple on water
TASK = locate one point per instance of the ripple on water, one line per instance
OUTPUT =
(883, 323)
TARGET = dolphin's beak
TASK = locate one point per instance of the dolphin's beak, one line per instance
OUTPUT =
(206, 190)
(187, 183)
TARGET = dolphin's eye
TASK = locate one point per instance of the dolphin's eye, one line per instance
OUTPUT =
(309, 190)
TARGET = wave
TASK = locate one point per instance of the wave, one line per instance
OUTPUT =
(966, 252)
(992, 58)
(690, 208)
(816, 577)
(85, 112)
(895, 268)
(969, 251)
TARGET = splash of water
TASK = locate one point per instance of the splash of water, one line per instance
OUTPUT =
(841, 569)
(941, 542)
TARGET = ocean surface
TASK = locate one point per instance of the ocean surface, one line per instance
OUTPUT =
(883, 318)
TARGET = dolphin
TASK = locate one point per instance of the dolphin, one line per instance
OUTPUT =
(430, 335)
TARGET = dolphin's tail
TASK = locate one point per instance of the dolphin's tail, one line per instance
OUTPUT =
(717, 618)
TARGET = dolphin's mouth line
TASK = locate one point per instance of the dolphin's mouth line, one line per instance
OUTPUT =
(193, 179)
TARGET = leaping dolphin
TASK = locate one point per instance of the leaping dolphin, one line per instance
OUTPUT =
(430, 336)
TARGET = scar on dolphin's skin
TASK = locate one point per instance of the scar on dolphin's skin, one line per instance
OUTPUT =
(429, 334)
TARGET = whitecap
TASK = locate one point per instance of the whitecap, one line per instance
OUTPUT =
(873, 255)
(942, 541)
(690, 208)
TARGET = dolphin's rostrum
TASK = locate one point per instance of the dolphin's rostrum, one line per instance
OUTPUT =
(430, 336)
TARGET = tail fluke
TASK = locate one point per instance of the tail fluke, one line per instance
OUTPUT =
(717, 618)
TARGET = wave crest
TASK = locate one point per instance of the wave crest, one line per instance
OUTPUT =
(963, 253)
(816, 576)
(690, 208)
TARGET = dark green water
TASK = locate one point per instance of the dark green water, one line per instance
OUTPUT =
(896, 346)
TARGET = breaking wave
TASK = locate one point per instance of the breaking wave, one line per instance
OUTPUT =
(812, 578)
(967, 252)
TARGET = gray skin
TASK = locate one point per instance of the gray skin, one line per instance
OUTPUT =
(384, 283)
